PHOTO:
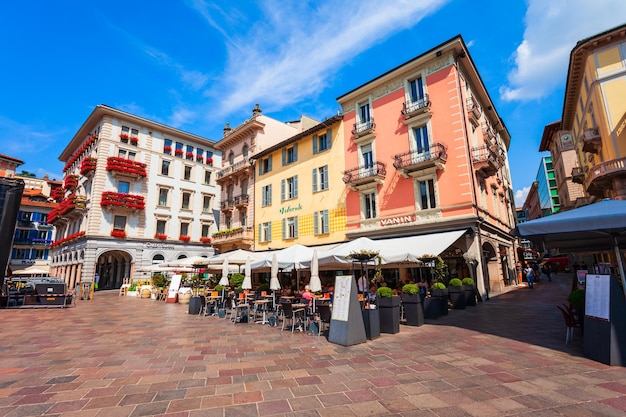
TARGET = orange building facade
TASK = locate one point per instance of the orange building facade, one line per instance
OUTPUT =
(426, 153)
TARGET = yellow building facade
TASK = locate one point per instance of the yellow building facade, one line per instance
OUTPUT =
(595, 112)
(299, 198)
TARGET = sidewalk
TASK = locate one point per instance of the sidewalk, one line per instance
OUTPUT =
(120, 356)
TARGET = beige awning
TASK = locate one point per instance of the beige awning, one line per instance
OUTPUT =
(31, 270)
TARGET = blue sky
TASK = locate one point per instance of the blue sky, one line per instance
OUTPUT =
(197, 64)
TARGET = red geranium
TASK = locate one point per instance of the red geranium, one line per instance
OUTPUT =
(184, 238)
(160, 236)
(118, 233)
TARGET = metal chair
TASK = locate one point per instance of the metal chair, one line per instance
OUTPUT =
(570, 323)
(323, 310)
(290, 313)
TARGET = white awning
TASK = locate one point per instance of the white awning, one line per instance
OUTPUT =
(31, 270)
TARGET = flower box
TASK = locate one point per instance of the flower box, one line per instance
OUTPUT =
(205, 239)
(184, 238)
(178, 152)
(200, 158)
(67, 239)
(134, 140)
(90, 140)
(189, 155)
(118, 233)
(70, 182)
(126, 166)
(209, 161)
(160, 236)
(124, 137)
(167, 149)
(88, 165)
(130, 201)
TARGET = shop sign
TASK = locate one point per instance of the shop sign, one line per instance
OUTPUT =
(392, 221)
(158, 245)
(289, 209)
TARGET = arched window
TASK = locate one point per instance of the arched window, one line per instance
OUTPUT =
(245, 150)
(231, 158)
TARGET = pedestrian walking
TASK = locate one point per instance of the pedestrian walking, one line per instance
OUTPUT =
(530, 276)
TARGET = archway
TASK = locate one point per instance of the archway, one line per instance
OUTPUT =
(112, 267)
(490, 267)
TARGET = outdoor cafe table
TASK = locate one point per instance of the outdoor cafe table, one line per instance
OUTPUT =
(262, 304)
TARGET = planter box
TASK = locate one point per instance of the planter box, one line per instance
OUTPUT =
(470, 295)
(195, 305)
(371, 320)
(457, 297)
(413, 309)
(432, 307)
(389, 310)
(443, 299)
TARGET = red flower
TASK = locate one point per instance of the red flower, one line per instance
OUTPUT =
(134, 139)
(199, 158)
(126, 166)
(184, 238)
(161, 236)
(178, 151)
(118, 233)
(209, 160)
(189, 155)
(167, 149)
(124, 136)
(205, 239)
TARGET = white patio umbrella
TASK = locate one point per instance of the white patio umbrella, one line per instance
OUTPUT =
(247, 281)
(315, 284)
(224, 280)
(274, 282)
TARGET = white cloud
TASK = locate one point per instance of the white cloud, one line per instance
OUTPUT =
(552, 30)
(288, 53)
(520, 196)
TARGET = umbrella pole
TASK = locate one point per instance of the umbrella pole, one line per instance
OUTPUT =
(619, 262)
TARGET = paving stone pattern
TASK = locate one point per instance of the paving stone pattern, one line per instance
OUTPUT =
(120, 356)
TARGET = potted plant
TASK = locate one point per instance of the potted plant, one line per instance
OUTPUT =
(576, 299)
(412, 303)
(437, 304)
(195, 302)
(132, 290)
(470, 291)
(457, 294)
(389, 310)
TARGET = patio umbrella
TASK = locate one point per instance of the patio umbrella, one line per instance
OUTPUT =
(274, 282)
(224, 280)
(315, 285)
(247, 281)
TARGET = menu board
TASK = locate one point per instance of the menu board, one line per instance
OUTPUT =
(598, 296)
(174, 286)
(341, 297)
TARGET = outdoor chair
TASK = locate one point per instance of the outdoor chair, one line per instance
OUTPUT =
(323, 310)
(571, 323)
(291, 314)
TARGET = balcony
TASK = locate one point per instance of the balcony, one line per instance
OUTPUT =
(592, 142)
(415, 108)
(365, 175)
(228, 204)
(600, 178)
(88, 165)
(416, 161)
(70, 182)
(73, 203)
(473, 111)
(242, 200)
(240, 237)
(578, 175)
(113, 200)
(486, 160)
(488, 131)
(241, 166)
(363, 128)
(125, 167)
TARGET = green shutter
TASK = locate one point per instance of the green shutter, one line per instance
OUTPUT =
(329, 138)
(284, 228)
(295, 226)
(315, 144)
(282, 190)
(284, 156)
(316, 222)
(314, 176)
(295, 186)
(260, 235)
(295, 152)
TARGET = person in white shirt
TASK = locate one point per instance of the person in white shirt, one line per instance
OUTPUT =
(362, 283)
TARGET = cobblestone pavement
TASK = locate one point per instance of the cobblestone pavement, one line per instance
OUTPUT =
(120, 356)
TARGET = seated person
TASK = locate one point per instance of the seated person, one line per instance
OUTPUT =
(308, 295)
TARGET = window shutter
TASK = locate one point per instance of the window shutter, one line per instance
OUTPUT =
(316, 222)
(269, 194)
(325, 183)
(329, 138)
(315, 144)
(326, 222)
(284, 228)
(260, 239)
(295, 226)
(284, 156)
(295, 152)
(260, 162)
(269, 165)
(295, 186)
(282, 190)
(314, 175)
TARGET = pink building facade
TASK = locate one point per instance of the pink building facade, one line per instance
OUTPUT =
(426, 153)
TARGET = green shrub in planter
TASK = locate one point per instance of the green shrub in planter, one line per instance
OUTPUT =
(384, 292)
(219, 287)
(236, 280)
(439, 286)
(455, 282)
(410, 289)
(577, 299)
(468, 281)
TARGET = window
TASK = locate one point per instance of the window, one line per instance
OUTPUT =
(364, 113)
(165, 168)
(416, 91)
(245, 150)
(179, 150)
(265, 232)
(230, 192)
(39, 254)
(123, 187)
(123, 153)
(207, 177)
(229, 221)
(369, 205)
(26, 216)
(21, 254)
(206, 204)
(160, 226)
(290, 155)
(125, 134)
(243, 218)
(322, 142)
(184, 229)
(420, 135)
(163, 193)
(209, 158)
(320, 178)
(189, 153)
(290, 228)
(186, 204)
(367, 157)
(206, 229)
(119, 223)
(244, 188)
(266, 195)
(427, 194)
(231, 158)
(167, 146)
(187, 173)
(289, 188)
(321, 222)
(265, 165)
